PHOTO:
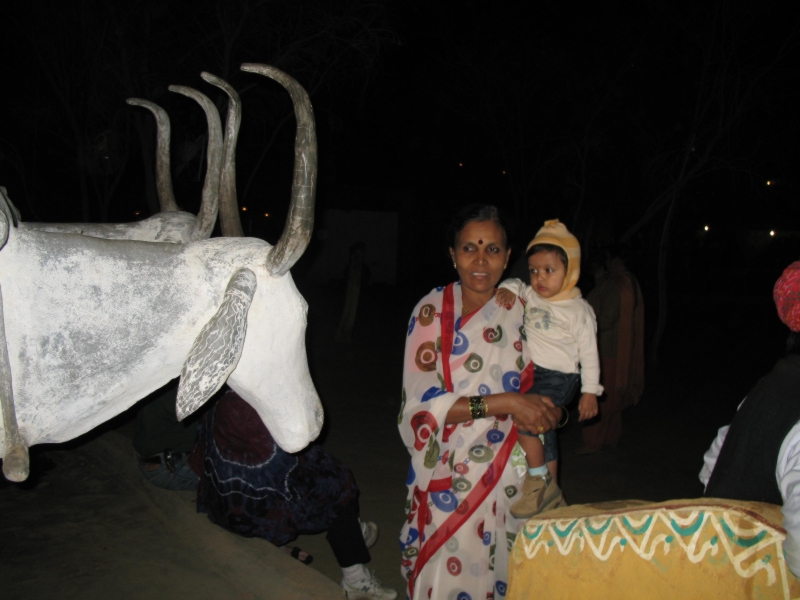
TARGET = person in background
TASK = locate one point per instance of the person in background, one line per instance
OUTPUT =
(619, 308)
(163, 443)
(757, 456)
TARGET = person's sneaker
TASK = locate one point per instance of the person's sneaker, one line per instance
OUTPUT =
(370, 532)
(368, 589)
(539, 494)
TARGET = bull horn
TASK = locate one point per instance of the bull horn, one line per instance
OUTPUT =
(300, 220)
(228, 206)
(166, 197)
(209, 205)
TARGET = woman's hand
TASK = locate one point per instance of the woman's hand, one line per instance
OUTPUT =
(587, 407)
(528, 411)
(534, 413)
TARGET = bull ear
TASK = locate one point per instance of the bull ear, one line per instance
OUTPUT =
(8, 215)
(13, 211)
(3, 229)
(217, 348)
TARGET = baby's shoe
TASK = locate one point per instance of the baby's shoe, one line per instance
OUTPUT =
(539, 494)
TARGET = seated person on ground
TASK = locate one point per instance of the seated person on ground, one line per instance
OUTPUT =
(250, 486)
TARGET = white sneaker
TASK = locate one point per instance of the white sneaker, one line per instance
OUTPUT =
(370, 532)
(368, 589)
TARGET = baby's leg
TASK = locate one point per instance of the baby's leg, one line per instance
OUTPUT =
(533, 447)
(539, 491)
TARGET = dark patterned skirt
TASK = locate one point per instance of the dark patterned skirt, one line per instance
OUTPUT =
(250, 486)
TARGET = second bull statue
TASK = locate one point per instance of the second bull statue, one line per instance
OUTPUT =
(89, 326)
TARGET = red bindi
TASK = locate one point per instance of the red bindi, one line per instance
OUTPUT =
(480, 242)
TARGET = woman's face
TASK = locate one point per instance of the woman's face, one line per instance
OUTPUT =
(480, 256)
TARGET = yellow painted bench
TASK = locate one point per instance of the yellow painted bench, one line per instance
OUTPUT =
(681, 549)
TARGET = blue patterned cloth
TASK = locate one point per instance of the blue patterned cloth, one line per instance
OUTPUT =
(250, 486)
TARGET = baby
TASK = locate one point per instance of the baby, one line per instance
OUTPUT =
(560, 332)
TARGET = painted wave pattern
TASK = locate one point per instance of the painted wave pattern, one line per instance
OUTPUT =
(751, 546)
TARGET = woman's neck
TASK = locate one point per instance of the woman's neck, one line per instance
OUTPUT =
(472, 302)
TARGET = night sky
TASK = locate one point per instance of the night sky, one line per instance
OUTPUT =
(544, 109)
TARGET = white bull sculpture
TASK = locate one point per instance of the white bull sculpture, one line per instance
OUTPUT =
(92, 325)
(171, 224)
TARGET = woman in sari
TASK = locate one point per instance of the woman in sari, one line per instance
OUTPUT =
(462, 377)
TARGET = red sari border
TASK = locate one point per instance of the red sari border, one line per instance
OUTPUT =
(490, 479)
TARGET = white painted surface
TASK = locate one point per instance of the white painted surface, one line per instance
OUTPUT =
(93, 325)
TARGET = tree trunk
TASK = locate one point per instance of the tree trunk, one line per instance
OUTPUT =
(663, 252)
(263, 154)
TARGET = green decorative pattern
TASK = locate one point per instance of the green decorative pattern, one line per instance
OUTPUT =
(701, 532)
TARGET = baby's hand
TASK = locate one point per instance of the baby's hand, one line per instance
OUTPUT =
(587, 407)
(505, 298)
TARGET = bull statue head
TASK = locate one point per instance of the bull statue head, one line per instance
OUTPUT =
(92, 325)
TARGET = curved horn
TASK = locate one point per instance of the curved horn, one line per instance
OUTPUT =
(300, 220)
(228, 206)
(166, 197)
(207, 215)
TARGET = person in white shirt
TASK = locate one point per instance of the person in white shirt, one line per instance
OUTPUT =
(757, 456)
(560, 332)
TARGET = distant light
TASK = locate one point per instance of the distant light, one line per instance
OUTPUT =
(266, 214)
(137, 213)
(772, 233)
(244, 208)
(504, 172)
(705, 228)
(769, 183)
(460, 164)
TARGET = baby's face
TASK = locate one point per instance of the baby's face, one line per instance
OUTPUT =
(547, 273)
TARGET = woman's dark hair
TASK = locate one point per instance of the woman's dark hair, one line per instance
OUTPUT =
(477, 213)
(536, 249)
(793, 343)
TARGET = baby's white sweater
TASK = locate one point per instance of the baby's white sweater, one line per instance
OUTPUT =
(562, 335)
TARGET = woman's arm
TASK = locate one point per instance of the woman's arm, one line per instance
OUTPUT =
(529, 411)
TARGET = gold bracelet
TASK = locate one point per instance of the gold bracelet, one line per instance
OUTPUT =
(485, 408)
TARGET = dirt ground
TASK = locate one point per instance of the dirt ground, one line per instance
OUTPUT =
(86, 525)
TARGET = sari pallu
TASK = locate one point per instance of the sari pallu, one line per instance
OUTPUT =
(458, 531)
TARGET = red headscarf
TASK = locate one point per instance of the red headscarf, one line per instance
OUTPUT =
(787, 296)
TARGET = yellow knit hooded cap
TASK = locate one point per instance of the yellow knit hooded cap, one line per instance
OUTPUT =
(556, 233)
